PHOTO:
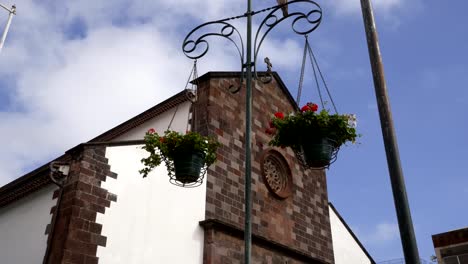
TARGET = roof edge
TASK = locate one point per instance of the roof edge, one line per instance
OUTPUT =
(142, 117)
(28, 183)
(352, 233)
(39, 178)
(451, 237)
(29, 175)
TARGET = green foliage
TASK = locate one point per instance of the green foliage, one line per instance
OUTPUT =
(168, 146)
(308, 126)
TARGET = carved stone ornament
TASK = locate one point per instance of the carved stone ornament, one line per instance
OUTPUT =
(276, 174)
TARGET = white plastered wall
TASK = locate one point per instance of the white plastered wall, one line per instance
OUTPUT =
(22, 227)
(152, 221)
(345, 248)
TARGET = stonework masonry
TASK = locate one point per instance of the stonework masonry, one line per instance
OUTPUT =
(76, 235)
(293, 230)
(300, 222)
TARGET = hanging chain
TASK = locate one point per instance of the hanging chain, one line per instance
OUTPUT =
(193, 73)
(193, 97)
(173, 116)
(301, 78)
(315, 69)
(315, 76)
(190, 93)
(323, 79)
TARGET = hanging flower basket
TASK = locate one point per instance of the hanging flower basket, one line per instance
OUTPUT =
(314, 136)
(319, 153)
(188, 165)
(186, 155)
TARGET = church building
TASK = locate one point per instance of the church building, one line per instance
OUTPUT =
(91, 205)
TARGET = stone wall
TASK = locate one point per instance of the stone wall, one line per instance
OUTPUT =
(298, 221)
(75, 236)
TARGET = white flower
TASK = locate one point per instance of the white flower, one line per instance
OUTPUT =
(352, 120)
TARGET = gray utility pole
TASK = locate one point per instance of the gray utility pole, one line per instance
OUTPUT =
(12, 12)
(410, 248)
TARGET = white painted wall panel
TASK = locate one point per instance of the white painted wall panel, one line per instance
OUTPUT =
(22, 228)
(345, 248)
(152, 221)
(160, 123)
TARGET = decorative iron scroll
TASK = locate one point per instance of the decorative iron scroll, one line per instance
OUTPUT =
(311, 20)
(225, 30)
(195, 44)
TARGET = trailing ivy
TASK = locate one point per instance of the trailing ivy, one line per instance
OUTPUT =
(165, 148)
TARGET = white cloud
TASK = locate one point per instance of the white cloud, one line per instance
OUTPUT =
(386, 232)
(392, 12)
(65, 91)
(382, 233)
(354, 6)
(100, 81)
(274, 49)
(66, 84)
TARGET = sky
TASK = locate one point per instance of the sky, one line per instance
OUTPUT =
(71, 70)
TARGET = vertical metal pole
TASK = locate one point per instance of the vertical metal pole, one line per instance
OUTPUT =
(248, 125)
(410, 248)
(5, 31)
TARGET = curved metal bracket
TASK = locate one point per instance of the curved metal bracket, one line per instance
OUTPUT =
(311, 20)
(196, 47)
(195, 44)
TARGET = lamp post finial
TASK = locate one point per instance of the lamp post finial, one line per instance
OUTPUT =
(283, 8)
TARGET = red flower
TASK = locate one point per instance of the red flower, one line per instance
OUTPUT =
(309, 107)
(305, 108)
(279, 115)
(151, 131)
(313, 107)
(161, 139)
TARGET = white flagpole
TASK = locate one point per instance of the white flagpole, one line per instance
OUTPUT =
(12, 12)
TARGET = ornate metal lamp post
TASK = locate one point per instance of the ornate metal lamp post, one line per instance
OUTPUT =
(196, 46)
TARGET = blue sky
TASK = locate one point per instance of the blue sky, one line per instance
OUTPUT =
(70, 71)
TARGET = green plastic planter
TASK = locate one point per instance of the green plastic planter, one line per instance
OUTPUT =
(318, 153)
(188, 166)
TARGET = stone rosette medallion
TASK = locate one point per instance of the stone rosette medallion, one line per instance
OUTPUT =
(276, 174)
